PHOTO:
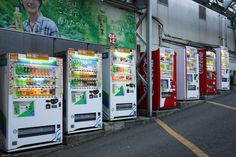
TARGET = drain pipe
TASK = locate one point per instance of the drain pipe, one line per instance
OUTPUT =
(149, 56)
(235, 34)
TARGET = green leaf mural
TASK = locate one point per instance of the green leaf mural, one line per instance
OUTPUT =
(83, 20)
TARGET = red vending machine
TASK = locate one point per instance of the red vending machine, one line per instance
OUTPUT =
(164, 79)
(207, 71)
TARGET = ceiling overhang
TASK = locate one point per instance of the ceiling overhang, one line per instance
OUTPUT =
(224, 7)
(132, 5)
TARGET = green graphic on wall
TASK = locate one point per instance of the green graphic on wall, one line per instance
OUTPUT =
(118, 90)
(24, 109)
(79, 98)
(83, 20)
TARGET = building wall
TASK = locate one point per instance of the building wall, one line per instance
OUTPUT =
(181, 19)
(18, 42)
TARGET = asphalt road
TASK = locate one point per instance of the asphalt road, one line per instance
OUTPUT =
(211, 128)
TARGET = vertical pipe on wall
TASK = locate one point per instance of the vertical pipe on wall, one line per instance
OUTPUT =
(149, 56)
(220, 30)
(226, 36)
(235, 34)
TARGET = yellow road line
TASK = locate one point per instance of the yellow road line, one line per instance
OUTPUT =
(221, 105)
(182, 140)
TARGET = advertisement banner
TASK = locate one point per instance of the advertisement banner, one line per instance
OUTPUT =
(83, 20)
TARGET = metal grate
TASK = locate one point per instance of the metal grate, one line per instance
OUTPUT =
(202, 12)
(165, 2)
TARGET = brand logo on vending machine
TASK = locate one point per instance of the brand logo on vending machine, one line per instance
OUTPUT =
(201, 63)
(112, 38)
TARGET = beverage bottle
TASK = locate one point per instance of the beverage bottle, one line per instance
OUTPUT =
(17, 82)
(31, 71)
(43, 72)
(17, 69)
(28, 70)
(73, 97)
(18, 19)
(72, 64)
(40, 71)
(31, 92)
(18, 92)
(22, 69)
(25, 70)
(72, 83)
(47, 72)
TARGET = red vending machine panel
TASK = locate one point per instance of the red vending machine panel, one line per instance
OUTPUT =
(164, 79)
(207, 71)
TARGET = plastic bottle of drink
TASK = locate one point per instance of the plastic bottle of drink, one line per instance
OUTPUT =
(73, 97)
(17, 81)
(22, 69)
(18, 19)
(17, 69)
(18, 92)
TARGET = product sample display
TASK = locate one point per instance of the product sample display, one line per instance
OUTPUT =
(187, 74)
(207, 71)
(223, 74)
(83, 90)
(119, 84)
(164, 79)
(31, 101)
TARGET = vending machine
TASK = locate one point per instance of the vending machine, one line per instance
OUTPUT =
(31, 101)
(187, 74)
(83, 90)
(164, 79)
(222, 68)
(207, 71)
(119, 84)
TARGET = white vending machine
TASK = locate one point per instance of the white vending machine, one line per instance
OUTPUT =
(83, 90)
(187, 74)
(31, 101)
(119, 84)
(222, 68)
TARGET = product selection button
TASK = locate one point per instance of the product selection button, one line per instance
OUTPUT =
(48, 106)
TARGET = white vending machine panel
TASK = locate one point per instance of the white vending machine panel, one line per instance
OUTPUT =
(223, 73)
(187, 74)
(83, 91)
(119, 84)
(31, 101)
